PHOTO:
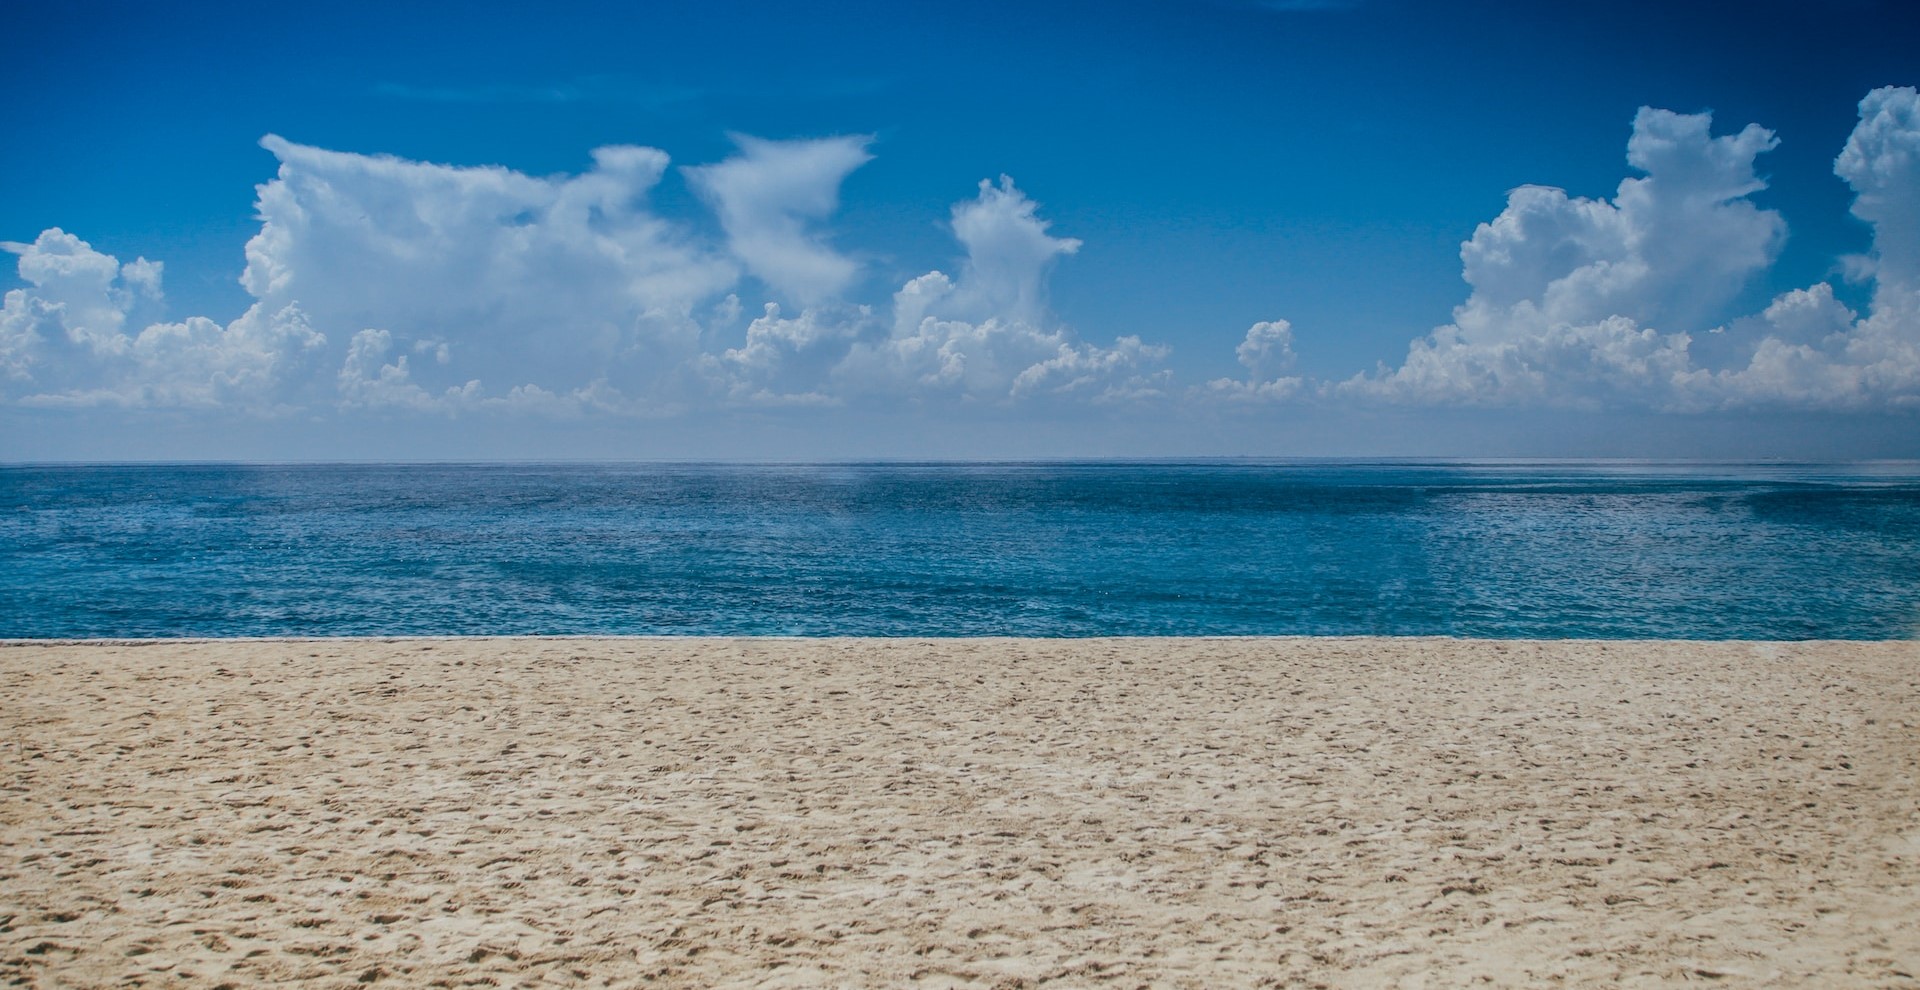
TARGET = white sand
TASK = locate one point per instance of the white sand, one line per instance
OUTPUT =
(887, 813)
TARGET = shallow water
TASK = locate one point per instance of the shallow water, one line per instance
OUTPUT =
(1605, 550)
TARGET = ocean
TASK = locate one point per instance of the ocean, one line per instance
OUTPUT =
(1547, 550)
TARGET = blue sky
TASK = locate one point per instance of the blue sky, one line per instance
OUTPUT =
(1225, 227)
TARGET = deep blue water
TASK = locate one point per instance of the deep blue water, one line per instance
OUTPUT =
(1554, 550)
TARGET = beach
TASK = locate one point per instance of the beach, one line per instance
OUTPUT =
(960, 813)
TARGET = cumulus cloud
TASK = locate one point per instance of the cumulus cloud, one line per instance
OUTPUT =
(1812, 350)
(1266, 353)
(1584, 302)
(769, 198)
(985, 335)
(367, 379)
(64, 340)
(788, 360)
(1566, 291)
(537, 286)
(545, 281)
(1009, 254)
(988, 333)
(1881, 161)
(413, 288)
(381, 283)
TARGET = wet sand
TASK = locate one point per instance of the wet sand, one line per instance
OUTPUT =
(961, 813)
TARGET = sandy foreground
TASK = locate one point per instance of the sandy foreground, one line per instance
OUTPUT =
(1007, 813)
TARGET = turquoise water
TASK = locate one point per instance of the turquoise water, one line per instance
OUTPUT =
(1074, 549)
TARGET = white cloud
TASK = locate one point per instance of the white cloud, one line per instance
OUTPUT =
(416, 288)
(1266, 353)
(1107, 373)
(787, 360)
(64, 342)
(1807, 316)
(988, 334)
(368, 380)
(21, 317)
(1268, 348)
(1670, 249)
(1812, 350)
(1881, 161)
(1009, 254)
(1567, 290)
(450, 289)
(198, 362)
(78, 304)
(484, 274)
(553, 282)
(1582, 302)
(1582, 365)
(767, 198)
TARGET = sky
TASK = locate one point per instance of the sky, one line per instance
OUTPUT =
(833, 230)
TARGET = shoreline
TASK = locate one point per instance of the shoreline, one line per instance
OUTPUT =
(691, 811)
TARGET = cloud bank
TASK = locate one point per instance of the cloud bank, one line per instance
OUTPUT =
(387, 284)
(400, 287)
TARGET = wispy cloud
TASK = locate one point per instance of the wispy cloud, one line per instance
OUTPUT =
(770, 194)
